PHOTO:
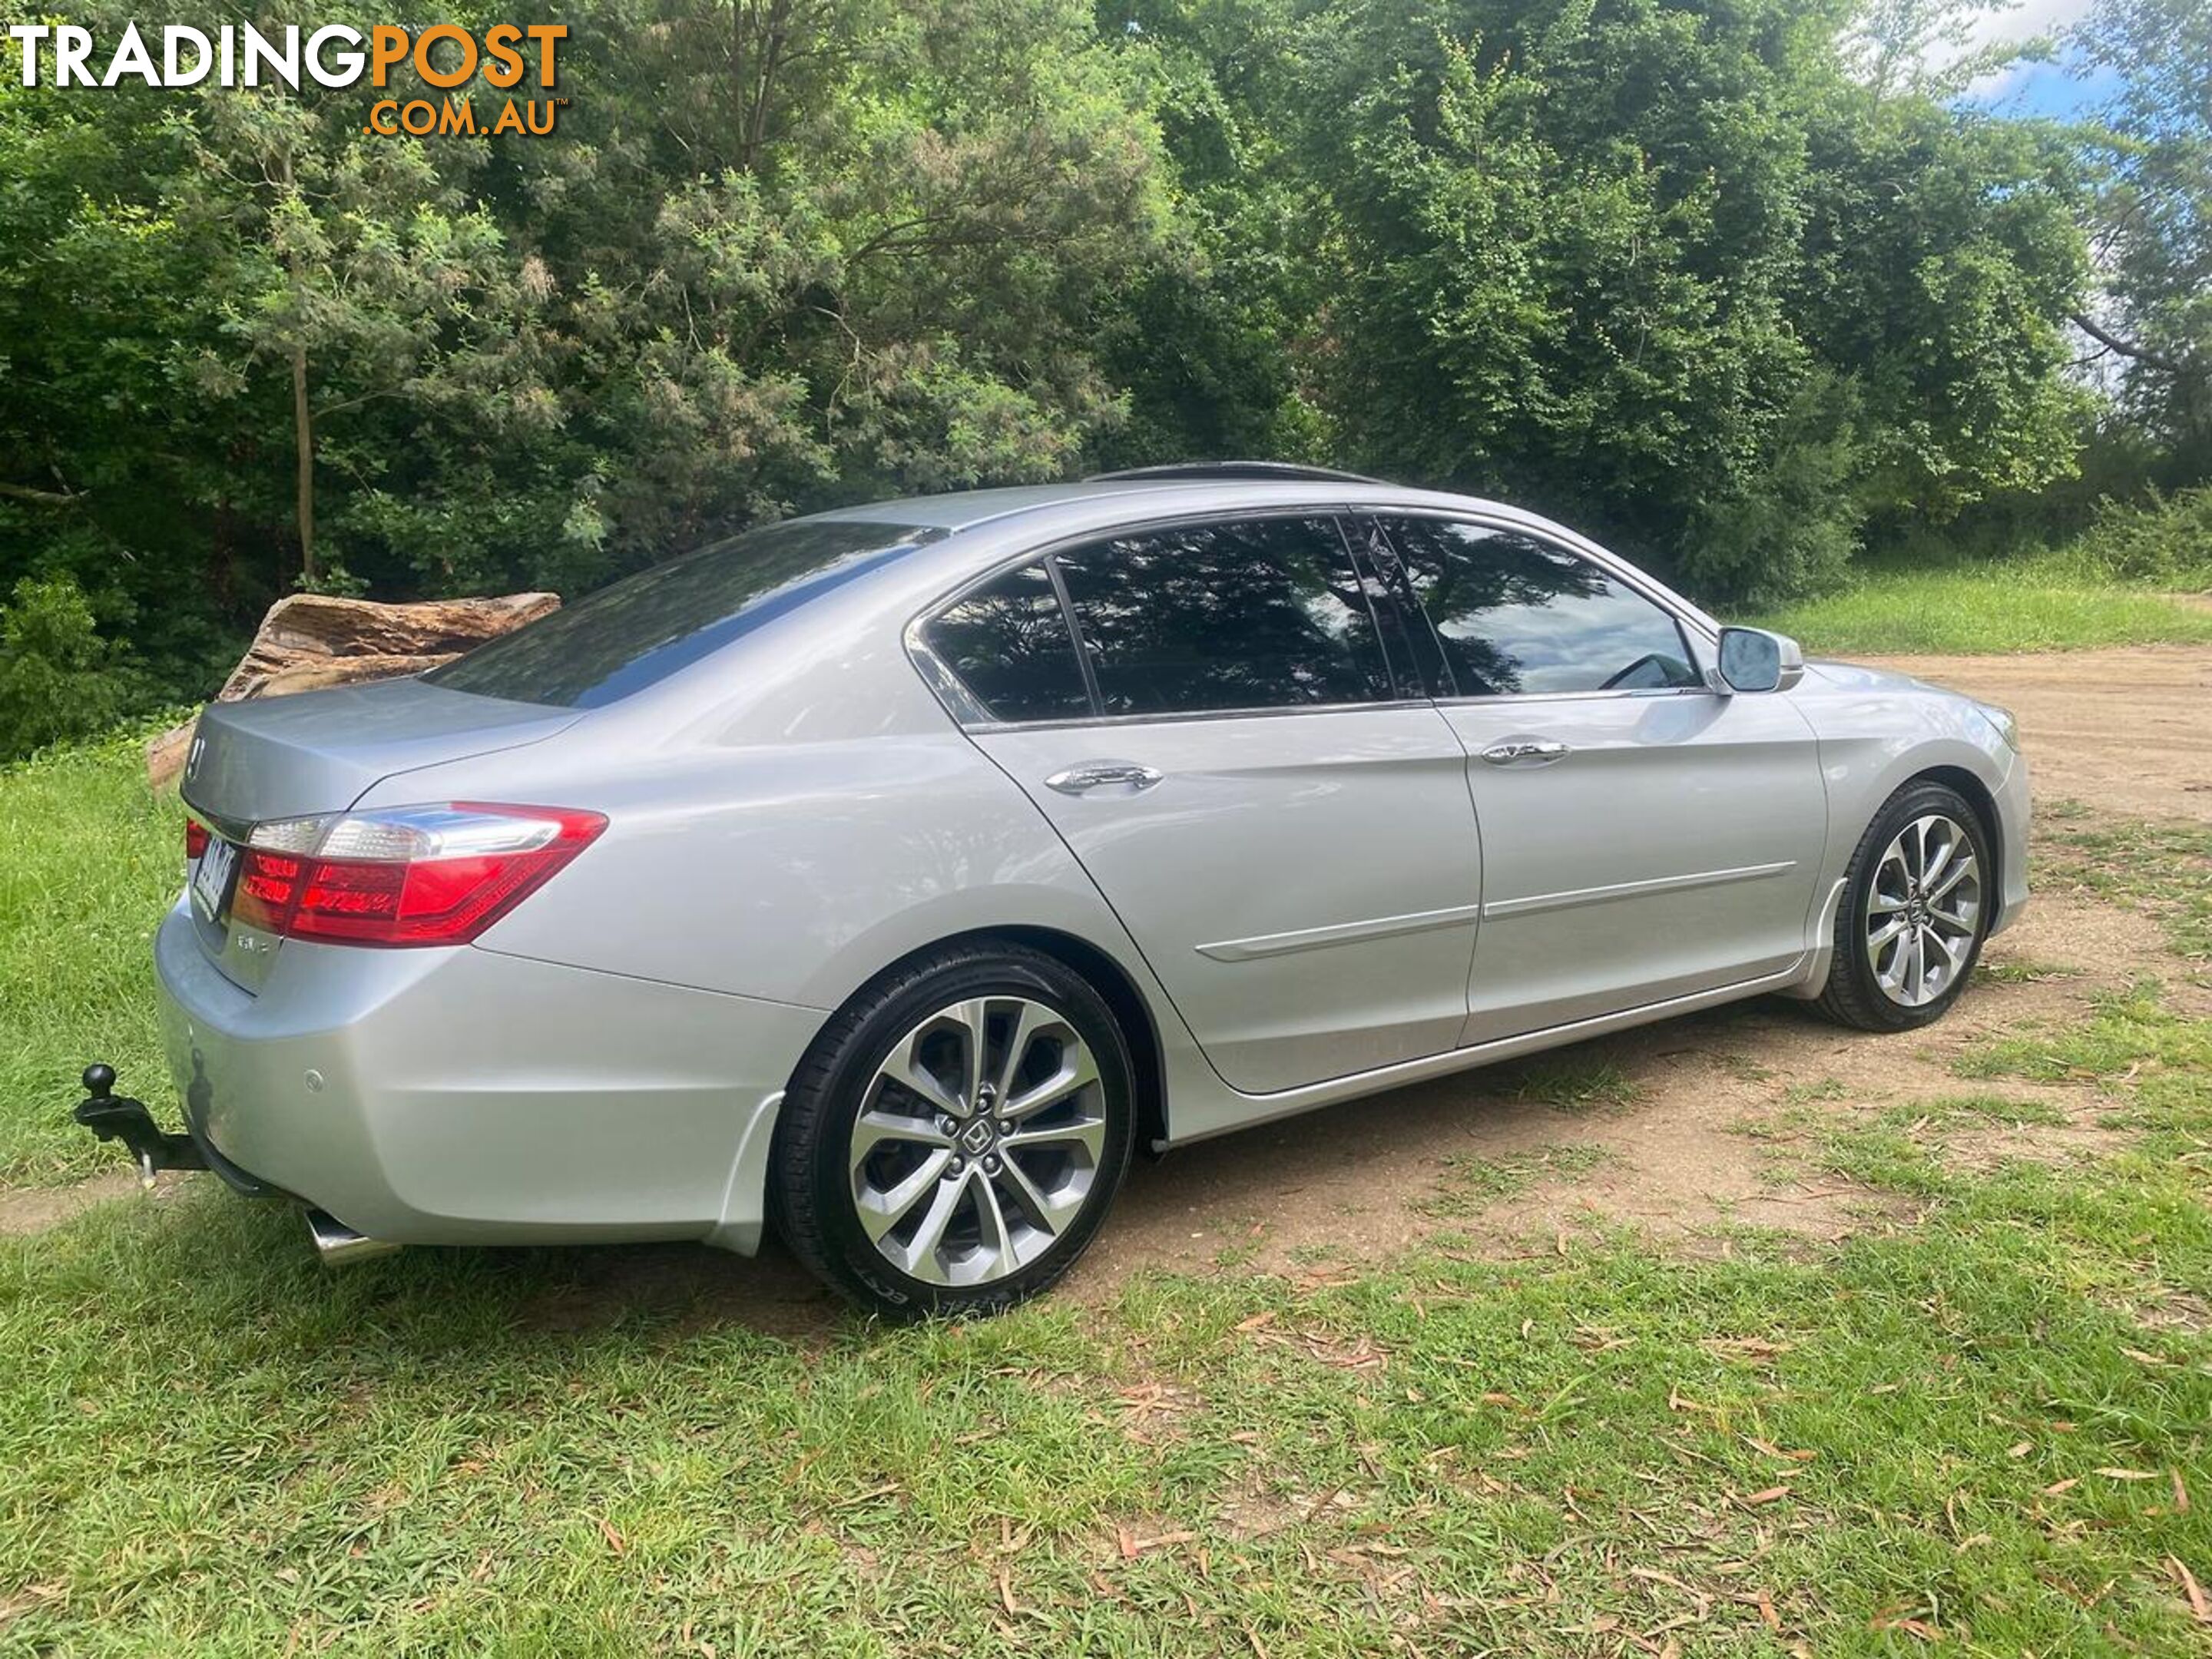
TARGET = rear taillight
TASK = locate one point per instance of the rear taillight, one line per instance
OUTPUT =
(196, 840)
(403, 876)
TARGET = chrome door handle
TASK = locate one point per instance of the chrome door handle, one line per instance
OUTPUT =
(1524, 751)
(1104, 775)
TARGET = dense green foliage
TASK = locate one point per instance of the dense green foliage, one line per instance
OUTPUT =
(1719, 279)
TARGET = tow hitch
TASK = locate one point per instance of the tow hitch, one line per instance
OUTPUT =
(117, 1117)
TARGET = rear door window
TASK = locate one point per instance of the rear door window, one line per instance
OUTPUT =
(1008, 641)
(1261, 613)
(1517, 614)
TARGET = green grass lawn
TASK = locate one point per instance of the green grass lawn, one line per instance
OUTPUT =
(1983, 1427)
(1974, 1430)
(2021, 606)
(89, 859)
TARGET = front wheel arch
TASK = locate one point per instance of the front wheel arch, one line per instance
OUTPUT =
(1976, 794)
(1850, 994)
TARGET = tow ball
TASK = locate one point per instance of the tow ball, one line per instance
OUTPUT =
(117, 1117)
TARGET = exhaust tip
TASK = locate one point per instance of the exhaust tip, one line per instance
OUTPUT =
(338, 1245)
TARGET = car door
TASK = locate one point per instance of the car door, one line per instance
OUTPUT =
(1282, 825)
(1643, 836)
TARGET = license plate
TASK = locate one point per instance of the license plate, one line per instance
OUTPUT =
(211, 877)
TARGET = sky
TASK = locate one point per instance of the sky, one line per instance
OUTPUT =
(2035, 89)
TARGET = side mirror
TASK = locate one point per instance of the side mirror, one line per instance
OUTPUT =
(1753, 659)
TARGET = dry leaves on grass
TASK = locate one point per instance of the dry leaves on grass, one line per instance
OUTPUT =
(1911, 1627)
(1132, 1545)
(1361, 1353)
(2198, 1606)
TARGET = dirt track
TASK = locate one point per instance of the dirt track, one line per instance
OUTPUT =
(2128, 733)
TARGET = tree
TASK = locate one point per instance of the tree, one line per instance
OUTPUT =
(1676, 272)
(2152, 225)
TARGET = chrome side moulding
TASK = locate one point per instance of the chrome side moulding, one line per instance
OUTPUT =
(1347, 933)
(1539, 901)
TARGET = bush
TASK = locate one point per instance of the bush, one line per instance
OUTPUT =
(2166, 542)
(1796, 529)
(57, 680)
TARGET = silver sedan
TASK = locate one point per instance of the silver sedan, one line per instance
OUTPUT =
(891, 875)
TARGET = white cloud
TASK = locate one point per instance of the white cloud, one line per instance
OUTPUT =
(2006, 26)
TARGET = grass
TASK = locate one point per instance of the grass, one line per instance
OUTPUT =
(1959, 1431)
(2164, 870)
(1986, 1429)
(2023, 971)
(1571, 1082)
(2025, 605)
(2126, 1033)
(92, 862)
(1471, 1184)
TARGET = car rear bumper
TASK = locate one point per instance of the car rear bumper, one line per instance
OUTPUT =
(450, 1096)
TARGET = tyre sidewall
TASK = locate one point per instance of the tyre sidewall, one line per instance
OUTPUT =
(854, 1256)
(1915, 801)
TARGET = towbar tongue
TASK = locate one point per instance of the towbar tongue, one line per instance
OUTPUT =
(117, 1117)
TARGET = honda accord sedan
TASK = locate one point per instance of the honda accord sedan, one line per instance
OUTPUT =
(890, 875)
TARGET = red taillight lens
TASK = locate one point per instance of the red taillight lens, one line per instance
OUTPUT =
(416, 875)
(196, 840)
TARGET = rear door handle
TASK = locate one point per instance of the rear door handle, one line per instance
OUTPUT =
(1104, 775)
(1524, 751)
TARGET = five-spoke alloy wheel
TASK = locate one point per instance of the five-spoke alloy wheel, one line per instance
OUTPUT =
(957, 1133)
(1916, 907)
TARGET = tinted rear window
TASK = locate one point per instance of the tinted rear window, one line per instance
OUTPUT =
(640, 630)
(1253, 613)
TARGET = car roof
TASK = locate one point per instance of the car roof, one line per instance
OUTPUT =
(968, 509)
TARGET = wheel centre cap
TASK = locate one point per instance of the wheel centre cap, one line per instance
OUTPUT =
(978, 1136)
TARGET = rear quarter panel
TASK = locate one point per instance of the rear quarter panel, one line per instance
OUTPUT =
(792, 873)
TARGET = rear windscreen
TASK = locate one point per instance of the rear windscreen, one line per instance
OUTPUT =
(641, 630)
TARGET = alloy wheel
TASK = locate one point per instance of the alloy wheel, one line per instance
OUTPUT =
(1924, 910)
(978, 1140)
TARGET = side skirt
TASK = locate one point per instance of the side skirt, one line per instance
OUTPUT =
(1267, 1109)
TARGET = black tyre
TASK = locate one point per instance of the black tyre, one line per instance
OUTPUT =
(1917, 904)
(957, 1134)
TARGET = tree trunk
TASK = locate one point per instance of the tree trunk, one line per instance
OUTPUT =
(303, 419)
(303, 439)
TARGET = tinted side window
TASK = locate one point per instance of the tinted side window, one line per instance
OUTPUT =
(1256, 613)
(1517, 614)
(1008, 641)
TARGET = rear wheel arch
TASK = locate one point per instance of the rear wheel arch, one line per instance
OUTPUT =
(1139, 1029)
(998, 1211)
